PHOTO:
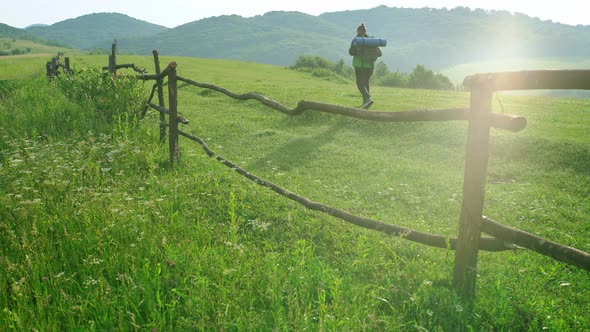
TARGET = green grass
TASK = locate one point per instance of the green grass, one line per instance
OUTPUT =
(24, 66)
(36, 48)
(98, 233)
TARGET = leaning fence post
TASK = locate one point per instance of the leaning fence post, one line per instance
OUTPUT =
(173, 105)
(476, 164)
(159, 82)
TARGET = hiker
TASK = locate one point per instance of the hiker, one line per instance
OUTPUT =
(363, 63)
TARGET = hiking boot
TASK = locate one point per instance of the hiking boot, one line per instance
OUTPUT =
(367, 104)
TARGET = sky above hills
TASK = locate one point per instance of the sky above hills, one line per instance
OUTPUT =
(172, 13)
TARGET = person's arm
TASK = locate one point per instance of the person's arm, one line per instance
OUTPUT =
(352, 50)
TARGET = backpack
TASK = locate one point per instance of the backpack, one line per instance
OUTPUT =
(367, 53)
(370, 53)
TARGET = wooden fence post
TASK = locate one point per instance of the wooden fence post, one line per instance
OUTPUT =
(159, 82)
(53, 67)
(173, 118)
(48, 69)
(476, 165)
(113, 60)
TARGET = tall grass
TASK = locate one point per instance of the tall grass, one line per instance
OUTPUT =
(98, 234)
(71, 105)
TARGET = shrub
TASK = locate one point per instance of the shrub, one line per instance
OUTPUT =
(444, 82)
(343, 70)
(393, 79)
(323, 68)
(420, 78)
(423, 78)
(312, 61)
(381, 69)
(117, 100)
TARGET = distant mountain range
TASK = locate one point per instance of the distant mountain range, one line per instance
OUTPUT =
(436, 38)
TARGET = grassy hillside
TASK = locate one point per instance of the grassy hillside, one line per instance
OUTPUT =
(98, 233)
(35, 48)
(32, 63)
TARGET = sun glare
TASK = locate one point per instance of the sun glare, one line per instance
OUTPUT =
(510, 40)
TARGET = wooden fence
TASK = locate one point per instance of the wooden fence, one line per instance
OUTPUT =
(52, 67)
(480, 119)
(113, 66)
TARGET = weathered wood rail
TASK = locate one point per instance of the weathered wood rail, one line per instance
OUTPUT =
(503, 121)
(472, 222)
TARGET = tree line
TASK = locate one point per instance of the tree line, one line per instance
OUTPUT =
(420, 77)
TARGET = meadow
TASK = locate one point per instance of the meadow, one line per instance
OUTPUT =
(98, 233)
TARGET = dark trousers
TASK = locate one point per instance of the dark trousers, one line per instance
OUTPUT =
(363, 75)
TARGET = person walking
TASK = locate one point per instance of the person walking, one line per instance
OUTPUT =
(363, 61)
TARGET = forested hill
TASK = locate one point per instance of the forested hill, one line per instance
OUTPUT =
(275, 38)
(94, 30)
(6, 31)
(436, 38)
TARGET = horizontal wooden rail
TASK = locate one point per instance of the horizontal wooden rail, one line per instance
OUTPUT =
(502, 121)
(246, 96)
(513, 123)
(403, 116)
(130, 65)
(486, 243)
(531, 80)
(509, 122)
(161, 75)
(543, 246)
(179, 118)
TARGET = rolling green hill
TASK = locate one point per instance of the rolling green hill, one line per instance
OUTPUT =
(6, 31)
(274, 38)
(90, 30)
(436, 38)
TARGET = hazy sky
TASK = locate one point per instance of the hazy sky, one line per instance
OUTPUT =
(172, 13)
